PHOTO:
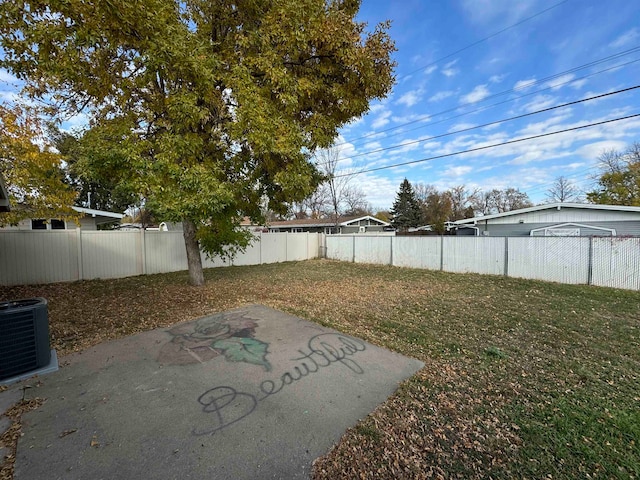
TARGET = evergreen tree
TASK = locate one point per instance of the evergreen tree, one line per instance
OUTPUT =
(406, 210)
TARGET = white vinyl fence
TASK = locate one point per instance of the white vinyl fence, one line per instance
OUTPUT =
(36, 257)
(604, 261)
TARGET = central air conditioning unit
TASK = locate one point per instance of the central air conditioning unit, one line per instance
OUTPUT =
(24, 336)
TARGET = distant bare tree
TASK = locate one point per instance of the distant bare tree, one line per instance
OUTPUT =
(563, 190)
(354, 201)
(462, 201)
(514, 199)
(423, 190)
(484, 203)
(335, 196)
(499, 201)
(327, 161)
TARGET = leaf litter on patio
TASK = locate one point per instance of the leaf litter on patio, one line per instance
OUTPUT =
(522, 378)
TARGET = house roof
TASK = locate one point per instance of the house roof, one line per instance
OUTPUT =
(100, 215)
(4, 197)
(325, 222)
(549, 206)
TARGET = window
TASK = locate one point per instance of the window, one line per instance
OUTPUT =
(57, 224)
(39, 224)
(296, 230)
(274, 230)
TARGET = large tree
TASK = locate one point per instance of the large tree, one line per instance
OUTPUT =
(405, 212)
(31, 169)
(204, 107)
(619, 181)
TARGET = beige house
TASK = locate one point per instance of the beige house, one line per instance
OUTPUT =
(345, 225)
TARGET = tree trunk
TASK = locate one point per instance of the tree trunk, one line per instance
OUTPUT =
(196, 276)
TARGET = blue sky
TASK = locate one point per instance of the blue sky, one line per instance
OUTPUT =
(511, 64)
(441, 92)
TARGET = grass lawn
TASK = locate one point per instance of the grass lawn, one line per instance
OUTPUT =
(522, 379)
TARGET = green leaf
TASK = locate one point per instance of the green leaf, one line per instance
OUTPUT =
(249, 350)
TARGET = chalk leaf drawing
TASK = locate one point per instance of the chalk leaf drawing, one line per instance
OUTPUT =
(228, 334)
(240, 349)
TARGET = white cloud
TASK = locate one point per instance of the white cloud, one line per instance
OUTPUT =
(595, 94)
(9, 97)
(493, 11)
(479, 93)
(539, 102)
(497, 78)
(430, 70)
(442, 95)
(544, 126)
(381, 120)
(593, 150)
(6, 77)
(448, 70)
(559, 82)
(460, 126)
(626, 38)
(578, 83)
(524, 84)
(75, 122)
(410, 98)
(414, 117)
(457, 171)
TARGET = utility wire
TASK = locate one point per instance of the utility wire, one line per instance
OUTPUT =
(486, 146)
(578, 176)
(486, 107)
(468, 129)
(505, 92)
(482, 40)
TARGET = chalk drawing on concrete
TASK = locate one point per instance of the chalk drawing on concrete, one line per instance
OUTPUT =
(229, 334)
(226, 406)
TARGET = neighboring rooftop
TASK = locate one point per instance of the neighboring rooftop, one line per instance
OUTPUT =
(100, 216)
(550, 206)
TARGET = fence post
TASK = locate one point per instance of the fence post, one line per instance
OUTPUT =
(286, 246)
(441, 252)
(143, 251)
(391, 254)
(353, 258)
(260, 248)
(590, 265)
(506, 256)
(79, 242)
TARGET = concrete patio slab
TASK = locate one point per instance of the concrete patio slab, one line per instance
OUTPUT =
(247, 394)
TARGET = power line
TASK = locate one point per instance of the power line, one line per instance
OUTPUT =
(520, 87)
(483, 39)
(487, 146)
(517, 117)
(541, 187)
(486, 107)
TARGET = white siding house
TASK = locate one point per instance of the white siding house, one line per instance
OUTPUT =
(556, 219)
(89, 220)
